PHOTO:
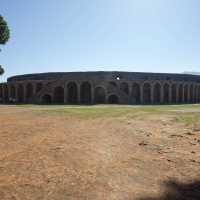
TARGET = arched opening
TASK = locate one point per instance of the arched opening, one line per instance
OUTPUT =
(166, 93)
(6, 98)
(191, 93)
(113, 83)
(29, 90)
(186, 93)
(99, 95)
(46, 98)
(72, 92)
(113, 98)
(136, 92)
(58, 94)
(12, 91)
(1, 92)
(39, 87)
(85, 92)
(147, 93)
(119, 77)
(157, 92)
(173, 92)
(20, 93)
(180, 93)
(124, 87)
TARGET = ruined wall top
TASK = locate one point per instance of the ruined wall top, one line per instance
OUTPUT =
(108, 75)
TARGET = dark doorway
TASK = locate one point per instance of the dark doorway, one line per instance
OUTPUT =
(72, 92)
(46, 98)
(113, 98)
(99, 95)
(20, 93)
(136, 92)
(147, 93)
(157, 92)
(85, 92)
(58, 94)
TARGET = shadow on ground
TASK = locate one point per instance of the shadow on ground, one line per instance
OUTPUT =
(178, 191)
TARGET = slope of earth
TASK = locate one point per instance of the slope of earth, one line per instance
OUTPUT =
(99, 152)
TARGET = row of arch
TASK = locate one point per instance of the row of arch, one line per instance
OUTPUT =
(158, 93)
(85, 94)
(19, 91)
(141, 93)
(24, 93)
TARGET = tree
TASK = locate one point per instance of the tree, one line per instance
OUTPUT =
(1, 70)
(4, 36)
(4, 31)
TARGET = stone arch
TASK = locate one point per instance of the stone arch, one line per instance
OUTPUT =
(46, 98)
(99, 94)
(113, 98)
(113, 83)
(166, 93)
(136, 92)
(39, 87)
(12, 91)
(6, 98)
(1, 92)
(85, 92)
(20, 93)
(186, 93)
(119, 77)
(146, 92)
(157, 92)
(124, 87)
(180, 93)
(72, 95)
(173, 92)
(191, 92)
(29, 90)
(58, 92)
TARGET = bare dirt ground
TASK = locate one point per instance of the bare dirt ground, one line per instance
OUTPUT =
(47, 155)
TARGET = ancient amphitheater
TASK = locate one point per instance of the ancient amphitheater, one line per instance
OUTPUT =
(102, 87)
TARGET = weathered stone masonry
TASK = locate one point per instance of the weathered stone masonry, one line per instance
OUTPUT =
(102, 87)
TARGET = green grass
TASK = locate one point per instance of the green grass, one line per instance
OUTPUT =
(130, 111)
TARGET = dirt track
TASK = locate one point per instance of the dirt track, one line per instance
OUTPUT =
(46, 155)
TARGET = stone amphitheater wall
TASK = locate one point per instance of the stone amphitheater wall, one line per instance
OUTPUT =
(102, 87)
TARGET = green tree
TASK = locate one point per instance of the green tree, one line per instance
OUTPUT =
(1, 70)
(4, 36)
(4, 31)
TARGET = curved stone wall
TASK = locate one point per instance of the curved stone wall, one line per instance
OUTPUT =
(102, 87)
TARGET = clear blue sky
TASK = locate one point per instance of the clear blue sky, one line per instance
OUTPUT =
(101, 35)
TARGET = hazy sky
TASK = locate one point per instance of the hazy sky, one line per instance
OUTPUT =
(100, 35)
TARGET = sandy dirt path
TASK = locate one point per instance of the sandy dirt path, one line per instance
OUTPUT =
(51, 156)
